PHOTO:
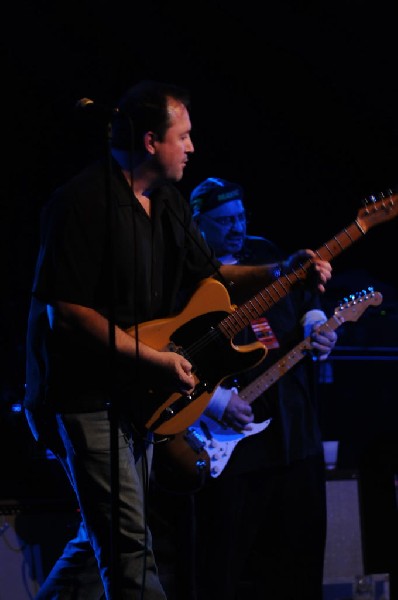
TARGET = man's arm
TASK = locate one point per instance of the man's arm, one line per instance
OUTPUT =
(245, 281)
(87, 324)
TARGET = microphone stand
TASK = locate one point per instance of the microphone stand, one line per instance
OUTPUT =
(113, 408)
(113, 405)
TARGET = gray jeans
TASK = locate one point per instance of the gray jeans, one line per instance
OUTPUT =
(85, 453)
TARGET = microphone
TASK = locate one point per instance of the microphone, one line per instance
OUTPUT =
(88, 104)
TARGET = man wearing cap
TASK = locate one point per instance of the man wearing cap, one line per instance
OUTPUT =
(261, 524)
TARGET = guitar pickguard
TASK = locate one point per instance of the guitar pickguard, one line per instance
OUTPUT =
(203, 450)
(194, 333)
(213, 357)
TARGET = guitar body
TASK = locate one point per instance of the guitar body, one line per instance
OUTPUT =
(202, 451)
(204, 330)
(214, 357)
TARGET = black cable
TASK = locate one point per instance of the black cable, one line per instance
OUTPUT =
(138, 436)
(208, 256)
(113, 409)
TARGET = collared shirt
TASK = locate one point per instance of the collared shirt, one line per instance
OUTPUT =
(88, 242)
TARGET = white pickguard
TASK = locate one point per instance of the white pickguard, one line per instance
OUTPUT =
(220, 440)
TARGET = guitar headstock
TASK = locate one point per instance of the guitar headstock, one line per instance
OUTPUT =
(378, 211)
(350, 309)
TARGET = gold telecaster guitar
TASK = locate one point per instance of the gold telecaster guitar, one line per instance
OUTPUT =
(204, 331)
(204, 449)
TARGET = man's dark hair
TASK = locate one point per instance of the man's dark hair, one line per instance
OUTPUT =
(144, 108)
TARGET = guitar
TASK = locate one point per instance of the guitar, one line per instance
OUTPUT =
(204, 449)
(203, 332)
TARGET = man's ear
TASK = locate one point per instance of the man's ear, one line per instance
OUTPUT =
(149, 141)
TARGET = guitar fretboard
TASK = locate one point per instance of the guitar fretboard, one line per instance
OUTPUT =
(263, 300)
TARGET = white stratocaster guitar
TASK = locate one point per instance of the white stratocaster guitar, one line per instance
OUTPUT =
(205, 447)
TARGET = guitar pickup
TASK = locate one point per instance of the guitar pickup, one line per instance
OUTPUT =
(194, 439)
(172, 347)
(178, 405)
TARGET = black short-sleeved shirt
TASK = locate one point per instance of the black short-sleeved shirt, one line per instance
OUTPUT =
(294, 431)
(136, 270)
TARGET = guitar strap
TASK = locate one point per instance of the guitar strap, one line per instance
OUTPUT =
(208, 254)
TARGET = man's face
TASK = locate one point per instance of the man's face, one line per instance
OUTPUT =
(224, 227)
(173, 151)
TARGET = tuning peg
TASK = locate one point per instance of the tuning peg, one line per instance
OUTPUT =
(370, 290)
(369, 200)
(390, 192)
(380, 196)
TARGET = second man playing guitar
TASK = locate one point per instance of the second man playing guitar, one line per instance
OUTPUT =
(261, 525)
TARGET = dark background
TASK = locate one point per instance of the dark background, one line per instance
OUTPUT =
(298, 101)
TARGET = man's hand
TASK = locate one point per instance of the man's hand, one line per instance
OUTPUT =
(176, 372)
(238, 413)
(320, 272)
(322, 343)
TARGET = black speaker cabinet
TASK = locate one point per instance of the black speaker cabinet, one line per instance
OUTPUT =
(344, 544)
(358, 407)
(361, 534)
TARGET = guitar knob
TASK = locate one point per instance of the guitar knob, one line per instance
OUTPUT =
(216, 456)
(200, 465)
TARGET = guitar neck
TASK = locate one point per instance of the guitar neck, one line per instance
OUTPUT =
(282, 366)
(350, 312)
(263, 300)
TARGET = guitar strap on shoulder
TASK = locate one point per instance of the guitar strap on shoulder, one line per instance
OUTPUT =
(209, 255)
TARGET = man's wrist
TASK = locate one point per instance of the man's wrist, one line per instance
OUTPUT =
(218, 402)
